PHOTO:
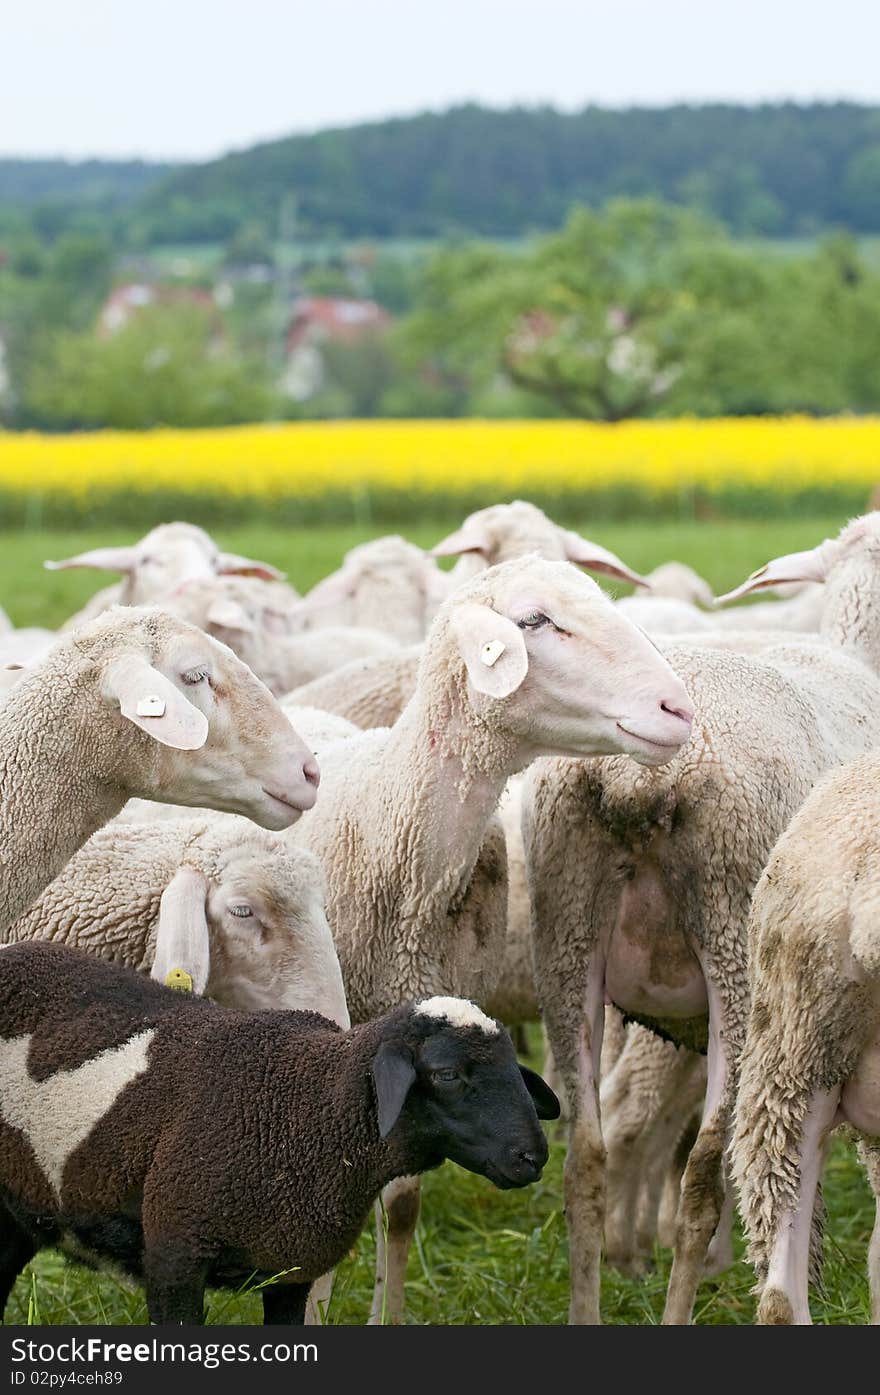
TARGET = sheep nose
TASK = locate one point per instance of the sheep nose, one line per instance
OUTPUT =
(311, 772)
(684, 711)
(526, 1158)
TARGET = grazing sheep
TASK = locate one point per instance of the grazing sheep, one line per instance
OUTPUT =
(506, 531)
(135, 703)
(640, 881)
(811, 1058)
(387, 584)
(404, 814)
(165, 558)
(194, 1145)
(232, 906)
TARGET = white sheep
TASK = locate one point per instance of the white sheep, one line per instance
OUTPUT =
(164, 559)
(811, 1058)
(231, 906)
(387, 584)
(641, 880)
(368, 692)
(135, 703)
(404, 813)
(234, 613)
(505, 531)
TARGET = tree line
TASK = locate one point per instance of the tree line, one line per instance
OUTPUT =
(772, 170)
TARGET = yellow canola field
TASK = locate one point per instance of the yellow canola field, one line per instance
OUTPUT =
(427, 458)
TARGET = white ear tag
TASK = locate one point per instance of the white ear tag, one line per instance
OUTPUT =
(151, 707)
(491, 652)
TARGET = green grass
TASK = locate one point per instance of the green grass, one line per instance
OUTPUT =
(481, 1256)
(724, 552)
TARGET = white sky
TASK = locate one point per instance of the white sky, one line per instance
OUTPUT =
(193, 78)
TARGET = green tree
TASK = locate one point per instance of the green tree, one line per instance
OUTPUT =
(168, 366)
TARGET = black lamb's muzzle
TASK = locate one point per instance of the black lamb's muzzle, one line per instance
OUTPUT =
(519, 1162)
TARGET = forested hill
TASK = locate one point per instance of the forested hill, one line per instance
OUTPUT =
(777, 170)
(51, 195)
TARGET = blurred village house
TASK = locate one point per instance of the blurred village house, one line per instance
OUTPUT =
(316, 323)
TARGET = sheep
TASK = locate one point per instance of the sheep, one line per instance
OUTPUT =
(239, 617)
(153, 569)
(119, 708)
(811, 1059)
(230, 905)
(676, 581)
(373, 692)
(192, 1144)
(506, 531)
(404, 813)
(387, 584)
(800, 613)
(368, 692)
(640, 881)
(664, 616)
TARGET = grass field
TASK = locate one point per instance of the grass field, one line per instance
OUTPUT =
(482, 1256)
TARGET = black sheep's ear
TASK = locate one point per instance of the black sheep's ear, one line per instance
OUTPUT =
(393, 1074)
(546, 1104)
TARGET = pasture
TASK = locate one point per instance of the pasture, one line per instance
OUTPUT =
(481, 1256)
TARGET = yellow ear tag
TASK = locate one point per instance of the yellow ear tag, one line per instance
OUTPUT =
(180, 980)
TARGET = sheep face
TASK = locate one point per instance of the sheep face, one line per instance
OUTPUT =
(552, 663)
(388, 584)
(451, 1081)
(219, 738)
(270, 944)
(167, 557)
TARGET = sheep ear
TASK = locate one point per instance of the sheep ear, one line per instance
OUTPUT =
(147, 698)
(796, 566)
(229, 615)
(466, 539)
(393, 1074)
(330, 591)
(492, 647)
(105, 559)
(183, 947)
(230, 564)
(598, 559)
(545, 1102)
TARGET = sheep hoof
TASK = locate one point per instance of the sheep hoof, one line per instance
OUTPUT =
(774, 1309)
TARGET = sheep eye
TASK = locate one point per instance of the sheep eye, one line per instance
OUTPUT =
(534, 620)
(197, 675)
(242, 912)
(447, 1074)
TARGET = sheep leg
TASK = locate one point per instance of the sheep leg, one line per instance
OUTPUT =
(16, 1250)
(175, 1284)
(667, 1216)
(584, 1177)
(319, 1300)
(719, 1255)
(871, 1158)
(285, 1304)
(400, 1203)
(702, 1186)
(687, 1086)
(785, 1295)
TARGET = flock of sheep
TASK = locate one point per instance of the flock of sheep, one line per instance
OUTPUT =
(647, 822)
